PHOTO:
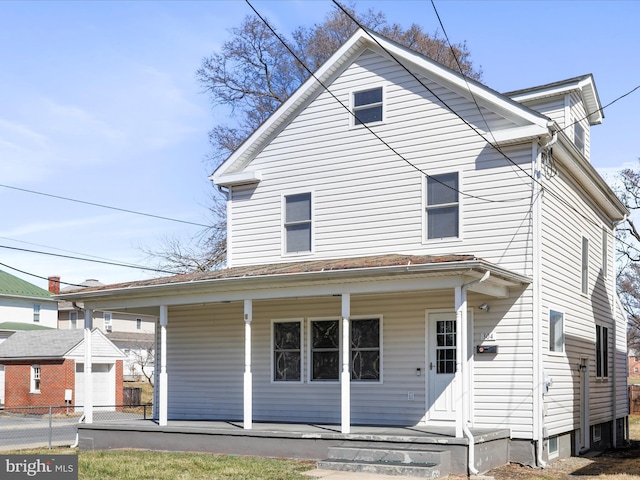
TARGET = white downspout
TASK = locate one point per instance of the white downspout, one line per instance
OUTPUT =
(461, 307)
(536, 208)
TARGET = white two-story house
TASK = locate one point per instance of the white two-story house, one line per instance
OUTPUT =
(406, 247)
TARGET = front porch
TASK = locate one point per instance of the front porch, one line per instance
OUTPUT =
(305, 441)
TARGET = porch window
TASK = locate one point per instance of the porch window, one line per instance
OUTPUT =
(35, 378)
(367, 106)
(365, 349)
(287, 351)
(325, 349)
(556, 331)
(442, 206)
(602, 352)
(297, 223)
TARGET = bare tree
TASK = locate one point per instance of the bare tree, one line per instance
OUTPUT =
(628, 252)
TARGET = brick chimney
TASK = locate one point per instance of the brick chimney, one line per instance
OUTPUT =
(54, 285)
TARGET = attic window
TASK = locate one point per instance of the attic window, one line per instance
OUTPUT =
(367, 106)
(578, 136)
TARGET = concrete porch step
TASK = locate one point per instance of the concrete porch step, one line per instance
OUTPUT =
(406, 460)
(427, 470)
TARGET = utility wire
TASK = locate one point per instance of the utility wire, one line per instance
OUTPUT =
(38, 276)
(106, 206)
(542, 187)
(139, 267)
(312, 74)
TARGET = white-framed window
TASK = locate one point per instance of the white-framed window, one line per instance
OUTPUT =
(605, 252)
(138, 324)
(286, 341)
(442, 206)
(73, 320)
(579, 136)
(108, 326)
(366, 349)
(36, 312)
(297, 223)
(368, 106)
(35, 378)
(552, 447)
(602, 352)
(585, 265)
(635, 369)
(556, 331)
(324, 350)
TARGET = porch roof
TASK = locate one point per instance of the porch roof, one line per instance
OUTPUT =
(321, 277)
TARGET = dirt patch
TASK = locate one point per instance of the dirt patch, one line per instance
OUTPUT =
(622, 464)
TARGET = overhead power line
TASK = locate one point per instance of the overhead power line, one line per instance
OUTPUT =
(104, 262)
(384, 142)
(106, 206)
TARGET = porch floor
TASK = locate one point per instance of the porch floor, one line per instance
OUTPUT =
(416, 433)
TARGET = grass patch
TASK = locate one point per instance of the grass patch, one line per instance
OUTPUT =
(150, 465)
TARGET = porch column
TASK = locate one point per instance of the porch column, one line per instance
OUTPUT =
(88, 377)
(248, 376)
(461, 358)
(345, 378)
(163, 397)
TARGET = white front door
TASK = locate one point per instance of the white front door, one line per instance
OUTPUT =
(441, 366)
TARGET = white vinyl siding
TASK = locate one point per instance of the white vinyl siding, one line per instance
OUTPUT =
(373, 203)
(563, 230)
(206, 355)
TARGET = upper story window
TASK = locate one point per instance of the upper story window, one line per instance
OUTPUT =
(36, 312)
(578, 136)
(585, 265)
(107, 322)
(297, 223)
(442, 206)
(602, 351)
(73, 320)
(556, 331)
(605, 252)
(367, 106)
(138, 324)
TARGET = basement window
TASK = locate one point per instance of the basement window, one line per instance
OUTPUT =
(552, 447)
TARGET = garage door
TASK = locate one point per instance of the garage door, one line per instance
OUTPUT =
(104, 386)
(1, 384)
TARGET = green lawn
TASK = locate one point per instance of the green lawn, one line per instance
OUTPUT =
(147, 465)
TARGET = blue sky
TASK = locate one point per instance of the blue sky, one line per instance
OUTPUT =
(98, 101)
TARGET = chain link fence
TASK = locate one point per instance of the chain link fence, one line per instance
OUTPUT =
(55, 426)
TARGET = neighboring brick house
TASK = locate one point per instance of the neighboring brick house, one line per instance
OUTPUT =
(45, 368)
(132, 333)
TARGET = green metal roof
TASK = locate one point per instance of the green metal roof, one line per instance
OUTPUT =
(17, 326)
(14, 286)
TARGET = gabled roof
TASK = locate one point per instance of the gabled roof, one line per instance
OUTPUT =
(40, 344)
(17, 327)
(55, 344)
(235, 171)
(13, 286)
(585, 84)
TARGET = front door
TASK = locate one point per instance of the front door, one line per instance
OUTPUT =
(441, 366)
